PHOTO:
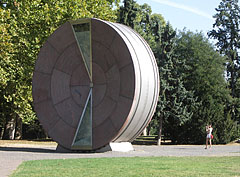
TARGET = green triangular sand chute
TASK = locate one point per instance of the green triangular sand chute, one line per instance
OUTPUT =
(82, 33)
(83, 136)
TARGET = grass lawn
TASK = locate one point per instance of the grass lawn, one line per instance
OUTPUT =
(132, 166)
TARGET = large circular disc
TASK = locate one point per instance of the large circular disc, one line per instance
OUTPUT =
(88, 85)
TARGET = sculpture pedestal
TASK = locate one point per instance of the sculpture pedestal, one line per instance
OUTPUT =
(120, 147)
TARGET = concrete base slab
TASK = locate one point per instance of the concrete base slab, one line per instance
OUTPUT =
(120, 147)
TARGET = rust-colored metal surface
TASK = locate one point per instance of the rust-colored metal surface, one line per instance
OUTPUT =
(88, 85)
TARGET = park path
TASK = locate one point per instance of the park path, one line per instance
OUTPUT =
(11, 156)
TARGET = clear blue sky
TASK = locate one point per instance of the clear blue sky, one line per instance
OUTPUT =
(195, 15)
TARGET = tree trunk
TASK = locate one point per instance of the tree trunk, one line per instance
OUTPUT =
(9, 129)
(18, 132)
(145, 132)
(160, 132)
(1, 132)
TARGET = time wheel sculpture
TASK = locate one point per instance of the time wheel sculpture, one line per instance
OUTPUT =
(95, 82)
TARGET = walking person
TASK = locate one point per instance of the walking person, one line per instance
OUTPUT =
(209, 130)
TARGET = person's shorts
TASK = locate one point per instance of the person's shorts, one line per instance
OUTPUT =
(209, 136)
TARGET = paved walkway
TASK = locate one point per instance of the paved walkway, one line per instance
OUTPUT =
(12, 155)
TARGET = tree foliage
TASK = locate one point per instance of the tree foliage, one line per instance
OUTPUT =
(226, 30)
(205, 76)
(175, 102)
(141, 19)
(193, 89)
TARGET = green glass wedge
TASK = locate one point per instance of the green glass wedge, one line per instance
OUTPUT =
(83, 136)
(82, 32)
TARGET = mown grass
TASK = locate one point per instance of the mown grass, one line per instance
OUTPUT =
(132, 166)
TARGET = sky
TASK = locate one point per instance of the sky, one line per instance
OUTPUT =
(195, 15)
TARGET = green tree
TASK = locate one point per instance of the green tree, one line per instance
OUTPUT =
(226, 30)
(141, 19)
(128, 13)
(27, 25)
(173, 109)
(157, 24)
(204, 75)
(6, 67)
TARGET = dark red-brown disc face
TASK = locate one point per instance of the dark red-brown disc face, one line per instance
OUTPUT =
(84, 84)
